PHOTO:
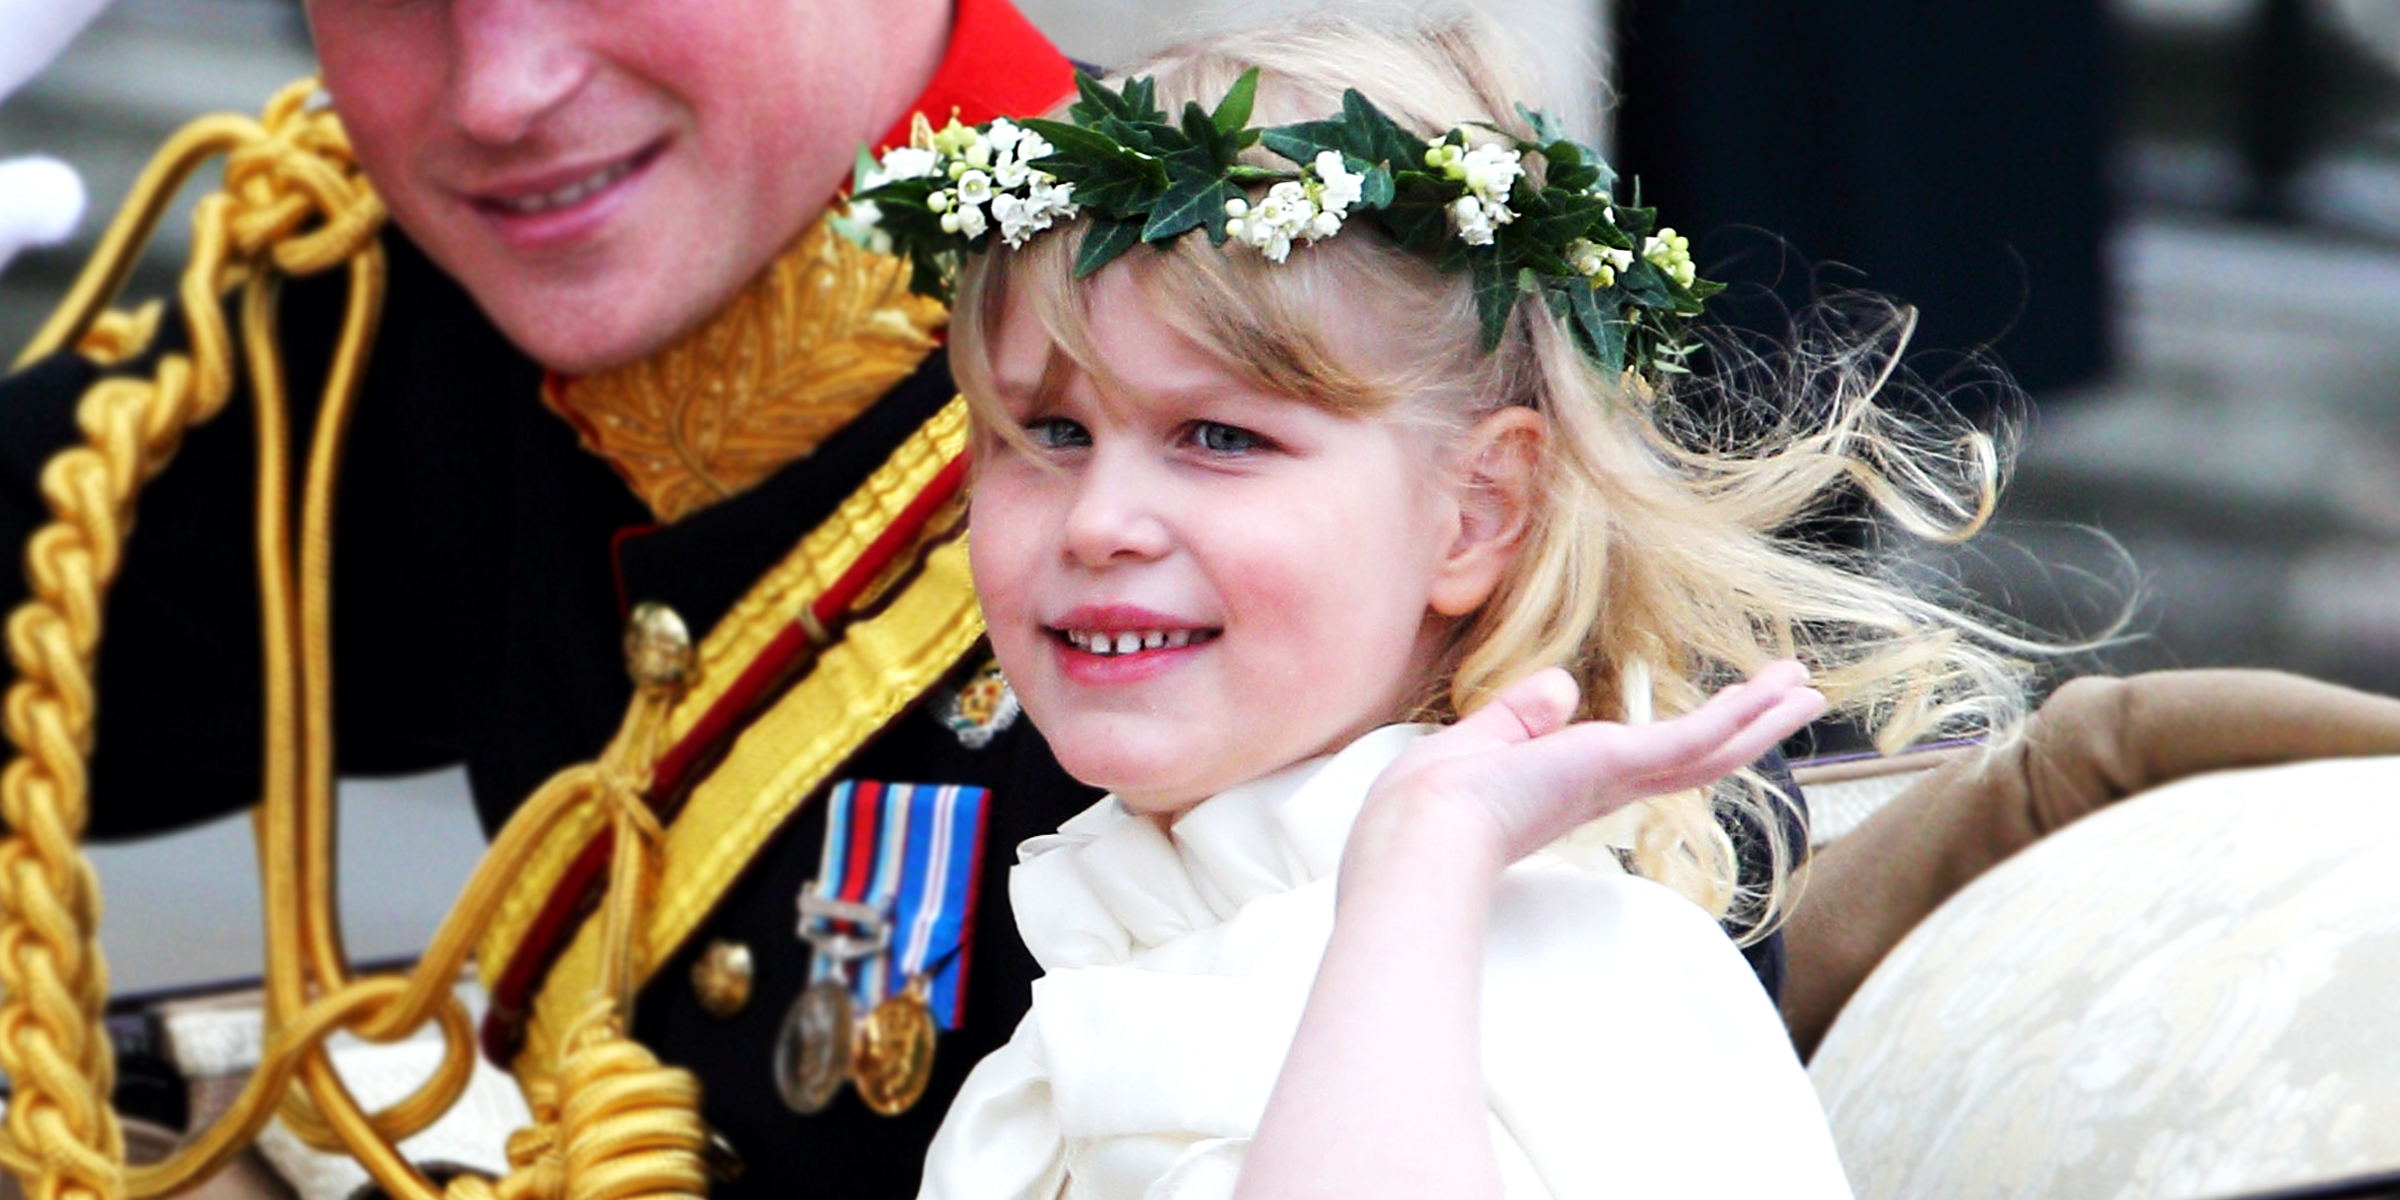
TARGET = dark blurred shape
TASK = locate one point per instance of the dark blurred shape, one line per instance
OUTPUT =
(1950, 155)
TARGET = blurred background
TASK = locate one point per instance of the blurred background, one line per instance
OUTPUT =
(2175, 222)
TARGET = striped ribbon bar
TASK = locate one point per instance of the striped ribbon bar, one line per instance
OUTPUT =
(910, 851)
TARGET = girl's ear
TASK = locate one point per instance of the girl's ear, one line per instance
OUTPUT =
(1497, 471)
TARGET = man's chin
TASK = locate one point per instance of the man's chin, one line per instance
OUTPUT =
(583, 333)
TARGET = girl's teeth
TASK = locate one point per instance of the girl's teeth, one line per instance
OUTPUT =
(1129, 641)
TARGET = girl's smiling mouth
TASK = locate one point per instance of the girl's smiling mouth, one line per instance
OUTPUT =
(1104, 643)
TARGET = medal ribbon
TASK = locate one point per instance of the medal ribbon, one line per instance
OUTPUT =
(910, 851)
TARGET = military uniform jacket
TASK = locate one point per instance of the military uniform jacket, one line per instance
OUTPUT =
(484, 566)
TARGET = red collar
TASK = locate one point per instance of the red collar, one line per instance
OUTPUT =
(998, 65)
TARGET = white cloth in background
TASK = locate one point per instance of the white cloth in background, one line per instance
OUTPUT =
(1628, 1050)
(41, 198)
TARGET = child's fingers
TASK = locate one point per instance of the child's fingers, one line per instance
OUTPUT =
(1625, 763)
(1531, 707)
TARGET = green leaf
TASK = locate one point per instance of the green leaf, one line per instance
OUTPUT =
(1103, 242)
(1419, 217)
(1546, 128)
(1193, 200)
(1233, 112)
(1203, 146)
(1300, 143)
(1645, 285)
(1137, 102)
(1601, 335)
(1495, 295)
(1376, 191)
(1376, 137)
(1073, 144)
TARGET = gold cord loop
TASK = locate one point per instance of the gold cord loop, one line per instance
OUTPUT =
(621, 1127)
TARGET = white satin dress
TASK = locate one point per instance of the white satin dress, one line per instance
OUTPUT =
(1627, 1048)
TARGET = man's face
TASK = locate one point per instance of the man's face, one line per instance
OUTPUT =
(603, 174)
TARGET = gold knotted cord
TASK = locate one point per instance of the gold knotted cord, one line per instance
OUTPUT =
(615, 1125)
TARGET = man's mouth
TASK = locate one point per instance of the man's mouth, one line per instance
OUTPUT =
(538, 201)
(573, 193)
(1109, 643)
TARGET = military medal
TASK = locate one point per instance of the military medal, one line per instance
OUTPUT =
(813, 1049)
(887, 918)
(893, 1060)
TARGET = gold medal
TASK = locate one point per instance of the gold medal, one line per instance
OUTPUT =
(894, 1058)
(812, 1053)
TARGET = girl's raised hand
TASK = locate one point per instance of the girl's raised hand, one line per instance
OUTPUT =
(1515, 774)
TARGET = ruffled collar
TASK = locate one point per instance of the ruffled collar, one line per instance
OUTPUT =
(1110, 884)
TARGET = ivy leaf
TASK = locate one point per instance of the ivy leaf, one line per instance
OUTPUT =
(1645, 285)
(1194, 200)
(1419, 217)
(1300, 142)
(1107, 238)
(1546, 128)
(1136, 103)
(1233, 112)
(1601, 334)
(1495, 294)
(1204, 148)
(1072, 145)
(1376, 137)
(1376, 190)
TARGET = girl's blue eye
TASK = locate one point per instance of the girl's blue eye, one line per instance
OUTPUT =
(1056, 433)
(1217, 437)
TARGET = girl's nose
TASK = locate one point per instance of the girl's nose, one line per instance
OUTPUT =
(1116, 514)
(514, 62)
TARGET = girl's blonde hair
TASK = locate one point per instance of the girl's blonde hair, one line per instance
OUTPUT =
(1660, 561)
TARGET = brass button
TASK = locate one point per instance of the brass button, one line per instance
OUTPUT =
(658, 648)
(721, 979)
(724, 1163)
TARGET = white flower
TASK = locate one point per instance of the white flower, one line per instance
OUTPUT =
(1619, 259)
(1011, 174)
(1236, 207)
(971, 221)
(1003, 135)
(1341, 184)
(1054, 199)
(1016, 223)
(1031, 145)
(1491, 171)
(940, 202)
(865, 212)
(1474, 221)
(974, 187)
(1324, 225)
(909, 162)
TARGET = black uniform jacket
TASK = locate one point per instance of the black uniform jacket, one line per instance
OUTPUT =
(483, 565)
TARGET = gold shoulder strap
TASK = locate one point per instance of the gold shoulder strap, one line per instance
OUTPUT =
(618, 1126)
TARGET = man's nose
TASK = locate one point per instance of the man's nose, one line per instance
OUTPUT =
(514, 62)
(1118, 513)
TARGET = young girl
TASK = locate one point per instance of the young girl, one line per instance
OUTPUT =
(1251, 494)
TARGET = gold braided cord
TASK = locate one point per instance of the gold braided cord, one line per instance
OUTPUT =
(616, 1125)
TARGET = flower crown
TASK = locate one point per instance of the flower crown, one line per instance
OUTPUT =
(1625, 287)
